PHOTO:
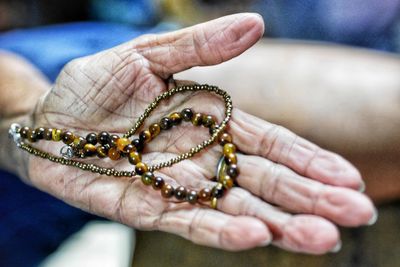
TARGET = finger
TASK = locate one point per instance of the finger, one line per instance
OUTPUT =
(278, 184)
(216, 229)
(208, 43)
(256, 136)
(301, 233)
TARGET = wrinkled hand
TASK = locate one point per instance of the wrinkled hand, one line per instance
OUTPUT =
(291, 193)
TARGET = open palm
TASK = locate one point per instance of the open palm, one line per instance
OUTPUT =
(291, 193)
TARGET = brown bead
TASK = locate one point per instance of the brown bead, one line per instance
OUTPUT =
(68, 137)
(39, 133)
(113, 140)
(208, 120)
(229, 148)
(217, 191)
(180, 193)
(79, 142)
(147, 178)
(158, 183)
(213, 128)
(122, 143)
(187, 114)
(166, 123)
(89, 150)
(114, 154)
(197, 119)
(205, 194)
(154, 129)
(176, 118)
(232, 170)
(227, 181)
(101, 152)
(224, 138)
(231, 158)
(145, 136)
(48, 134)
(134, 157)
(56, 135)
(91, 138)
(167, 191)
(24, 131)
(141, 168)
(32, 136)
(191, 197)
(129, 149)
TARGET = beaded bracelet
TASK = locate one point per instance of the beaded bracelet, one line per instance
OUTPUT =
(105, 145)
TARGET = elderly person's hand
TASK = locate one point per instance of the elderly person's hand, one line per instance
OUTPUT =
(292, 193)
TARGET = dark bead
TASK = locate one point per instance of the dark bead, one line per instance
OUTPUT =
(208, 120)
(180, 193)
(113, 140)
(91, 138)
(187, 114)
(80, 142)
(213, 128)
(147, 178)
(176, 118)
(232, 170)
(197, 119)
(167, 191)
(68, 137)
(129, 148)
(24, 132)
(230, 158)
(205, 194)
(89, 150)
(141, 168)
(224, 138)
(138, 144)
(217, 191)
(114, 154)
(158, 183)
(103, 138)
(191, 197)
(32, 137)
(145, 136)
(154, 129)
(47, 135)
(165, 123)
(102, 152)
(40, 133)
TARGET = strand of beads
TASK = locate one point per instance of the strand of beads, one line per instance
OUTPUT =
(115, 147)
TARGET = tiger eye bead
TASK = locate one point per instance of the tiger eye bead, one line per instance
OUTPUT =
(205, 194)
(122, 143)
(145, 136)
(56, 135)
(104, 138)
(165, 123)
(187, 114)
(232, 170)
(129, 148)
(224, 138)
(79, 142)
(91, 138)
(113, 140)
(197, 119)
(39, 133)
(89, 150)
(147, 178)
(134, 157)
(158, 183)
(141, 168)
(229, 148)
(48, 134)
(227, 181)
(180, 193)
(167, 191)
(213, 128)
(207, 120)
(68, 137)
(191, 197)
(176, 118)
(154, 129)
(217, 191)
(114, 154)
(32, 136)
(24, 132)
(101, 151)
(138, 144)
(231, 158)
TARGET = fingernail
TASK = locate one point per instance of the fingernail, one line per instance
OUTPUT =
(374, 218)
(362, 187)
(337, 248)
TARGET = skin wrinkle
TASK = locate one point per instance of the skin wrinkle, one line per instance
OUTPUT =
(307, 166)
(265, 141)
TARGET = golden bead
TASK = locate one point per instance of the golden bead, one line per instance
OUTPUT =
(224, 138)
(145, 136)
(154, 129)
(141, 168)
(176, 118)
(56, 135)
(197, 119)
(114, 154)
(213, 203)
(227, 181)
(134, 157)
(229, 148)
(89, 149)
(122, 143)
(230, 158)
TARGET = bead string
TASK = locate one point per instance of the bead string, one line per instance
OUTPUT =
(116, 147)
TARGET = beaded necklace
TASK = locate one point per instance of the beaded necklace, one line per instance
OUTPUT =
(114, 147)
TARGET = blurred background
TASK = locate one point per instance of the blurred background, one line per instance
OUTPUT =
(343, 53)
